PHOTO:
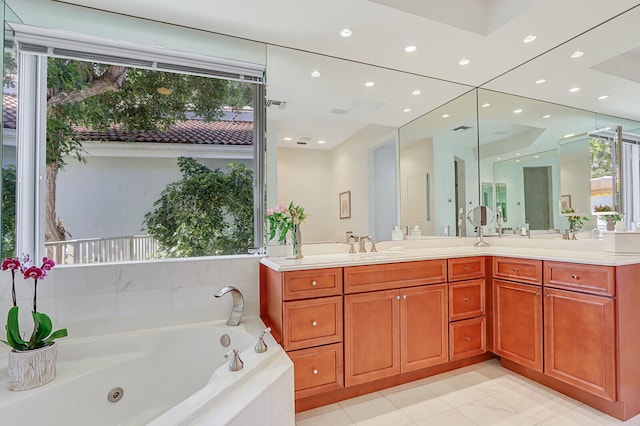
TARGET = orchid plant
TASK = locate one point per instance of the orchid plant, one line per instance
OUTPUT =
(42, 334)
(282, 219)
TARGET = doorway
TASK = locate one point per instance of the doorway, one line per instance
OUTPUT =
(383, 192)
(460, 196)
(537, 197)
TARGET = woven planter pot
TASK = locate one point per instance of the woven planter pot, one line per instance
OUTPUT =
(30, 369)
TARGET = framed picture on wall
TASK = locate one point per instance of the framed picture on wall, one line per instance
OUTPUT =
(565, 202)
(345, 205)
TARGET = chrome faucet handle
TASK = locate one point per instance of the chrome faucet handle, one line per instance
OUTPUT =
(352, 249)
(373, 246)
(261, 346)
(236, 363)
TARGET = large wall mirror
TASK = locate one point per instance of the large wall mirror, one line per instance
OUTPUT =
(334, 125)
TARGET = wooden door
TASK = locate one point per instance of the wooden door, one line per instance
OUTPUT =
(517, 327)
(423, 327)
(371, 336)
(580, 343)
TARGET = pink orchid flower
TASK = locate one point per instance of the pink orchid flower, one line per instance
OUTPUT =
(34, 272)
(47, 264)
(11, 264)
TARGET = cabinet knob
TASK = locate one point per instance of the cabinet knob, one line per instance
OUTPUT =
(315, 371)
(398, 297)
(466, 269)
(515, 270)
(574, 276)
(314, 323)
(404, 296)
(314, 282)
(468, 339)
(466, 299)
(537, 294)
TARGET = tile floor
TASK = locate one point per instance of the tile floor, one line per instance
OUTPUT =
(481, 394)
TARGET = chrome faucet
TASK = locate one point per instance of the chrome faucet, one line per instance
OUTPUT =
(238, 304)
(460, 221)
(499, 220)
(236, 363)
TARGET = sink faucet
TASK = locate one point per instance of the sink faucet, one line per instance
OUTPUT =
(238, 304)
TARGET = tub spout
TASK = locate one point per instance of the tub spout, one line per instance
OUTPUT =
(238, 304)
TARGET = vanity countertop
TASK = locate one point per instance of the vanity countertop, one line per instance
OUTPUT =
(586, 251)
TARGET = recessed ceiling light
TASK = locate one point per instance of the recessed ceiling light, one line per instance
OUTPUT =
(577, 54)
(546, 116)
(517, 111)
(346, 32)
(603, 97)
(464, 61)
(322, 142)
(518, 154)
(574, 89)
(416, 92)
(315, 73)
(499, 158)
(287, 138)
(541, 80)
(518, 160)
(529, 38)
(410, 49)
(369, 84)
(445, 116)
(568, 135)
(406, 110)
(536, 156)
(485, 105)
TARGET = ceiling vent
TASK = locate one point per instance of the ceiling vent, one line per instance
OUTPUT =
(301, 142)
(271, 103)
(339, 111)
(304, 139)
(461, 129)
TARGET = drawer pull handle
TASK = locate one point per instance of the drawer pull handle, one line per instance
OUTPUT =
(466, 299)
(314, 323)
(315, 371)
(314, 282)
(574, 276)
(468, 339)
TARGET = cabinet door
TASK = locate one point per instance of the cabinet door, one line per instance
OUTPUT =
(371, 336)
(517, 331)
(423, 327)
(580, 341)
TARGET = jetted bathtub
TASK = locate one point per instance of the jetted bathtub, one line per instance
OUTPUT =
(168, 376)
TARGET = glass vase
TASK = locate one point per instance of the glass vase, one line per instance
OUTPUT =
(296, 242)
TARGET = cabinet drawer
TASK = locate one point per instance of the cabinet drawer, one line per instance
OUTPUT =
(317, 370)
(523, 270)
(467, 338)
(312, 322)
(394, 275)
(585, 278)
(312, 283)
(466, 268)
(466, 299)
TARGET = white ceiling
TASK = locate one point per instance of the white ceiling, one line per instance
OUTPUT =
(488, 33)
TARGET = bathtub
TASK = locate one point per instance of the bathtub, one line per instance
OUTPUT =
(169, 376)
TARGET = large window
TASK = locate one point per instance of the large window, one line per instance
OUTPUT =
(138, 163)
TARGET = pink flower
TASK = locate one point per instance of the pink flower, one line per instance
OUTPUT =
(10, 263)
(270, 211)
(281, 208)
(47, 264)
(34, 272)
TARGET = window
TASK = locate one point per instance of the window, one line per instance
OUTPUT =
(160, 159)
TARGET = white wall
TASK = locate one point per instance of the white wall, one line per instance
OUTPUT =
(415, 161)
(109, 196)
(575, 177)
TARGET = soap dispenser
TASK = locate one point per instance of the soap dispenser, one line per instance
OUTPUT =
(397, 234)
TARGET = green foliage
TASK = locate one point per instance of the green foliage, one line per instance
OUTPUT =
(207, 212)
(600, 154)
(8, 244)
(40, 337)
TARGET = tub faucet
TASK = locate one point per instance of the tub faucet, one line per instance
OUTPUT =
(236, 363)
(238, 304)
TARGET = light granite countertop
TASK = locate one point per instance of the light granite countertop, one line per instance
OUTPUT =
(588, 251)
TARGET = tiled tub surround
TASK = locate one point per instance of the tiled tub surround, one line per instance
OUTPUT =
(594, 289)
(111, 304)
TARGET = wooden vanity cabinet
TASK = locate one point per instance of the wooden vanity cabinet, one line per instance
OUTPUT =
(580, 328)
(305, 312)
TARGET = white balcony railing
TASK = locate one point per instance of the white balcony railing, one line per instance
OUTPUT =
(99, 250)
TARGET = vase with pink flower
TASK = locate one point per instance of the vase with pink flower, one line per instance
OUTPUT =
(285, 221)
(32, 362)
